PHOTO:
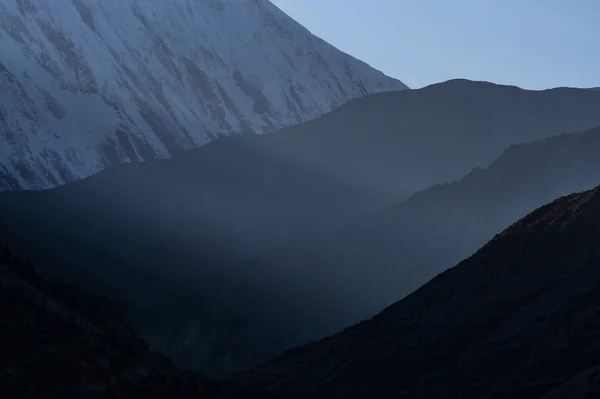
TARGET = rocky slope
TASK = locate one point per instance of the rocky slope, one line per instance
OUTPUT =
(518, 319)
(88, 84)
(58, 342)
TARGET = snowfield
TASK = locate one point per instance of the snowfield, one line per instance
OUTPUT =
(86, 84)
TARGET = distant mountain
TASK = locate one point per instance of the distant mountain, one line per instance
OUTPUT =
(58, 342)
(518, 319)
(345, 276)
(396, 143)
(88, 84)
(202, 230)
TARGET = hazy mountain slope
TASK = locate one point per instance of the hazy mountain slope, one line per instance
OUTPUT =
(343, 277)
(229, 198)
(176, 225)
(87, 84)
(396, 143)
(519, 319)
(59, 342)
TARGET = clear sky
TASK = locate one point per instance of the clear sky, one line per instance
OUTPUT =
(534, 44)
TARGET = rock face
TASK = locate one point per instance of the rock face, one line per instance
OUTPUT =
(518, 319)
(88, 84)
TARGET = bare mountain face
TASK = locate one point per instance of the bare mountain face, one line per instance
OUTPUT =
(87, 84)
(518, 319)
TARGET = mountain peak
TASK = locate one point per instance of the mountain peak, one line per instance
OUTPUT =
(90, 84)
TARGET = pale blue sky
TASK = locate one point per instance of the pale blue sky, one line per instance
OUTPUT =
(534, 44)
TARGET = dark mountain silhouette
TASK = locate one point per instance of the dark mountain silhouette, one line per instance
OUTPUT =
(168, 238)
(518, 319)
(344, 277)
(58, 342)
(396, 143)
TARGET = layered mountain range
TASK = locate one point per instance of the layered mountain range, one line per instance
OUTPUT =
(88, 84)
(243, 250)
(518, 319)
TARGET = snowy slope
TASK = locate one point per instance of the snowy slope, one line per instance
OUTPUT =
(85, 84)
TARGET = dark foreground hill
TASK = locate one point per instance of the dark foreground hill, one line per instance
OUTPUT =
(58, 342)
(518, 319)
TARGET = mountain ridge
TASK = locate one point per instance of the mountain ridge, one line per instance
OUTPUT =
(422, 132)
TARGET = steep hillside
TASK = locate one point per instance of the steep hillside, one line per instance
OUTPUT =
(58, 342)
(88, 84)
(518, 319)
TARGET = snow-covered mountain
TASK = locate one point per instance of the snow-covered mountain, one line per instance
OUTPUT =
(85, 84)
